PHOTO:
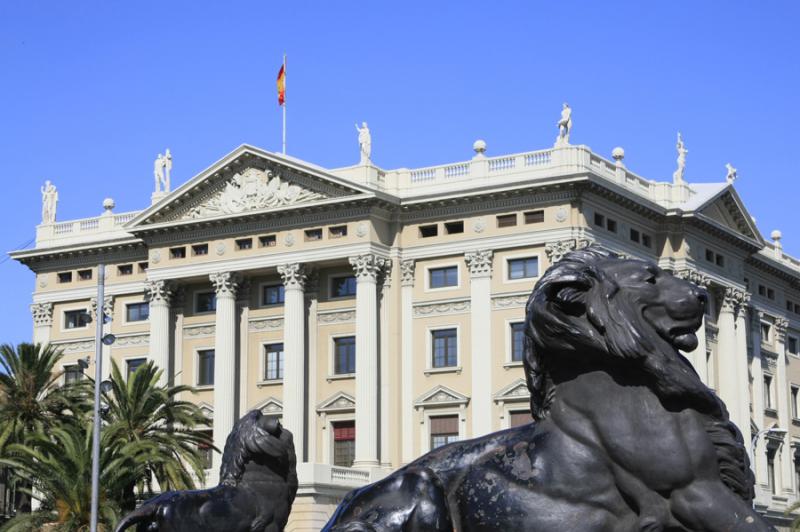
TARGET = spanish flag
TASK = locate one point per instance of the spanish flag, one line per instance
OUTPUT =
(282, 85)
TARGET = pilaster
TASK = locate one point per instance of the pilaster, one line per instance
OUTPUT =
(387, 384)
(728, 366)
(107, 315)
(42, 322)
(407, 268)
(742, 367)
(310, 415)
(784, 408)
(757, 372)
(480, 267)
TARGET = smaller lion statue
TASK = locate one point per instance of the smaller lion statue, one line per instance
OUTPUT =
(625, 438)
(258, 483)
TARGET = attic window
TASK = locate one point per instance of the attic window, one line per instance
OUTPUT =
(143, 267)
(244, 243)
(337, 231)
(313, 234)
(177, 253)
(507, 220)
(65, 277)
(452, 228)
(85, 275)
(267, 241)
(534, 217)
(125, 269)
(427, 231)
(200, 249)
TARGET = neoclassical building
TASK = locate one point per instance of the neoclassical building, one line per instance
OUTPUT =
(378, 312)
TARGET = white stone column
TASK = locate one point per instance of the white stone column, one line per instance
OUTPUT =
(729, 390)
(480, 267)
(698, 356)
(243, 355)
(107, 315)
(42, 322)
(225, 285)
(783, 398)
(159, 295)
(294, 345)
(366, 267)
(743, 369)
(407, 353)
(386, 383)
(757, 371)
(310, 414)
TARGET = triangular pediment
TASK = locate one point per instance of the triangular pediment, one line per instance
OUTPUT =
(270, 407)
(441, 396)
(338, 402)
(727, 211)
(247, 181)
(516, 391)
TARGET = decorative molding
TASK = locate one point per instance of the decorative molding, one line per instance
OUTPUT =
(479, 225)
(132, 340)
(336, 316)
(561, 215)
(781, 325)
(158, 292)
(199, 331)
(293, 275)
(460, 306)
(556, 250)
(509, 301)
(77, 346)
(220, 248)
(733, 299)
(339, 402)
(517, 391)
(386, 274)
(225, 283)
(42, 314)
(265, 324)
(367, 266)
(289, 240)
(769, 361)
(155, 256)
(479, 262)
(362, 230)
(441, 396)
(108, 307)
(407, 268)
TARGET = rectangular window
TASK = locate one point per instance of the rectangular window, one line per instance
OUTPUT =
(427, 231)
(647, 241)
(143, 267)
(134, 364)
(337, 231)
(72, 374)
(719, 260)
(273, 362)
(443, 277)
(789, 305)
(206, 450)
(795, 391)
(611, 225)
(768, 391)
(525, 268)
(267, 241)
(534, 217)
(344, 355)
(599, 220)
(770, 293)
(85, 275)
(206, 302)
(313, 234)
(709, 255)
(343, 286)
(771, 470)
(517, 341)
(76, 319)
(792, 345)
(344, 443)
(125, 269)
(200, 249)
(444, 348)
(244, 243)
(762, 290)
(452, 228)
(177, 253)
(205, 367)
(137, 311)
(635, 236)
(274, 294)
(444, 430)
(521, 417)
(65, 277)
(506, 220)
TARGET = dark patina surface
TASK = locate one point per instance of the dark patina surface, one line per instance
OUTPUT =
(625, 435)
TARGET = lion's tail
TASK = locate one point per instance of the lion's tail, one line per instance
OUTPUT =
(143, 514)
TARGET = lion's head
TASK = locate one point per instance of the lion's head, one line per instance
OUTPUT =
(256, 437)
(594, 310)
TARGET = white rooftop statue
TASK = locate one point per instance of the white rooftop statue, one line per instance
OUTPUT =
(161, 171)
(364, 143)
(732, 174)
(49, 201)
(564, 125)
(677, 176)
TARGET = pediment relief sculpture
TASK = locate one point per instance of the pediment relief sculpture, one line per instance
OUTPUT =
(250, 190)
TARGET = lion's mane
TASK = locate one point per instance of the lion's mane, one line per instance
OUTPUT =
(246, 441)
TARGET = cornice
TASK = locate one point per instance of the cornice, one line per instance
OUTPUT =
(62, 257)
(89, 292)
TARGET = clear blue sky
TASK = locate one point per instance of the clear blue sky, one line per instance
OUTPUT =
(91, 91)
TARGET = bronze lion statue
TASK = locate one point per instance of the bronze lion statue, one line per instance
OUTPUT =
(625, 435)
(258, 483)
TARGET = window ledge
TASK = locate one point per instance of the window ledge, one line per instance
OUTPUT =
(271, 382)
(795, 421)
(203, 387)
(515, 364)
(340, 377)
(449, 369)
(771, 412)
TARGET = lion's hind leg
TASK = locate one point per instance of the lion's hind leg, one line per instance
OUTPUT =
(411, 500)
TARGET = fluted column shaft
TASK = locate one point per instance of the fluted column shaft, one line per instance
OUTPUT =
(294, 383)
(159, 295)
(756, 369)
(743, 376)
(407, 368)
(225, 285)
(784, 412)
(366, 267)
(480, 267)
(729, 390)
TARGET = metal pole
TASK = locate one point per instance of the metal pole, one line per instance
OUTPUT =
(284, 104)
(98, 376)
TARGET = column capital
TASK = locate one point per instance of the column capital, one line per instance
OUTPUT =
(756, 316)
(293, 275)
(386, 274)
(407, 268)
(42, 314)
(108, 307)
(556, 249)
(479, 262)
(694, 276)
(733, 299)
(158, 291)
(781, 325)
(367, 266)
(225, 283)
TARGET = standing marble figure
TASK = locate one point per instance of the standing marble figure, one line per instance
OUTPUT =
(677, 176)
(364, 142)
(49, 202)
(564, 125)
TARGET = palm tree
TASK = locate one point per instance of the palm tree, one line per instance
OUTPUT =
(142, 411)
(60, 462)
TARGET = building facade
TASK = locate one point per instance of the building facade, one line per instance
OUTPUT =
(378, 312)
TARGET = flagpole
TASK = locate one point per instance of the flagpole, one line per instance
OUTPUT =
(284, 104)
